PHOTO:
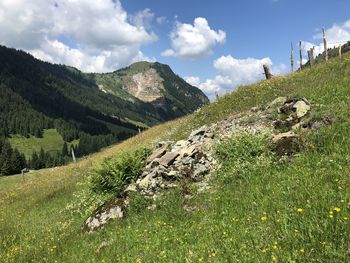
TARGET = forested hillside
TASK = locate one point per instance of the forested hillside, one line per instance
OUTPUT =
(36, 95)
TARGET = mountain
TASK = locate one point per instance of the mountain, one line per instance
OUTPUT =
(96, 109)
(153, 83)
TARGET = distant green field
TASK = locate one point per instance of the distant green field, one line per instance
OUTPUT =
(51, 142)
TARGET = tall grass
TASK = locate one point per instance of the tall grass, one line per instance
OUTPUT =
(257, 209)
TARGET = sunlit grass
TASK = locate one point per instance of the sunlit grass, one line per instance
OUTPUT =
(257, 210)
(51, 142)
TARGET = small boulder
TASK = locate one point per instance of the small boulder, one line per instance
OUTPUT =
(199, 131)
(146, 181)
(286, 143)
(288, 107)
(199, 170)
(157, 153)
(187, 161)
(168, 158)
(190, 151)
(278, 102)
(153, 164)
(112, 209)
(209, 135)
(275, 104)
(301, 108)
(172, 174)
(131, 188)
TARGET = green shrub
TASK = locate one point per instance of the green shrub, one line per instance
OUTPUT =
(114, 173)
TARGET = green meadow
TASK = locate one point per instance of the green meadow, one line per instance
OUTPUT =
(257, 209)
(51, 142)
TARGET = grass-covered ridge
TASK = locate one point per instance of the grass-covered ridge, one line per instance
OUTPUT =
(258, 209)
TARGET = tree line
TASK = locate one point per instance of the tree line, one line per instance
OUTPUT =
(11, 160)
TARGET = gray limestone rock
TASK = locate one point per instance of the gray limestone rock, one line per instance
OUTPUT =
(199, 131)
(168, 158)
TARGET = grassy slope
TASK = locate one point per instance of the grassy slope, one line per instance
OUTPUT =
(51, 142)
(228, 225)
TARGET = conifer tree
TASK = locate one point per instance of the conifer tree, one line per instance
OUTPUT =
(65, 149)
(16, 162)
(35, 161)
(42, 158)
(5, 159)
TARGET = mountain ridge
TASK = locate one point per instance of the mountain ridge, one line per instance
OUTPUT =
(38, 95)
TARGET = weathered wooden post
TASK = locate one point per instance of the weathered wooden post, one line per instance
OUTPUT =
(267, 72)
(73, 155)
(340, 47)
(325, 43)
(292, 58)
(22, 171)
(139, 130)
(310, 54)
(216, 95)
(300, 56)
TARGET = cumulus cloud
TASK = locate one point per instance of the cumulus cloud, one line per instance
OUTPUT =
(194, 81)
(161, 20)
(234, 72)
(143, 19)
(194, 41)
(102, 35)
(336, 35)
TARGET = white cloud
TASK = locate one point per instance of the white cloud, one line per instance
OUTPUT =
(194, 81)
(168, 53)
(161, 20)
(143, 19)
(103, 61)
(235, 72)
(336, 35)
(194, 41)
(102, 35)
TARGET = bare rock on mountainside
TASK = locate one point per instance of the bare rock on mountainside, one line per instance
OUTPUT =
(155, 84)
(146, 86)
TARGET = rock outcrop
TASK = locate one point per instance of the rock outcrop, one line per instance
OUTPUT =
(192, 158)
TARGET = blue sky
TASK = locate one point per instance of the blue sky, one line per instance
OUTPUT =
(254, 28)
(215, 45)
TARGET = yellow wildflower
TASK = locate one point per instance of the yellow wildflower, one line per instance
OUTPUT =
(300, 210)
(264, 218)
(337, 209)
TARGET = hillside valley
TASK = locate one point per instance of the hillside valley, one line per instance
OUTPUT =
(275, 186)
(91, 110)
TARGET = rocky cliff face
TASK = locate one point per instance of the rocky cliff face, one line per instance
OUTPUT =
(146, 86)
(156, 84)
